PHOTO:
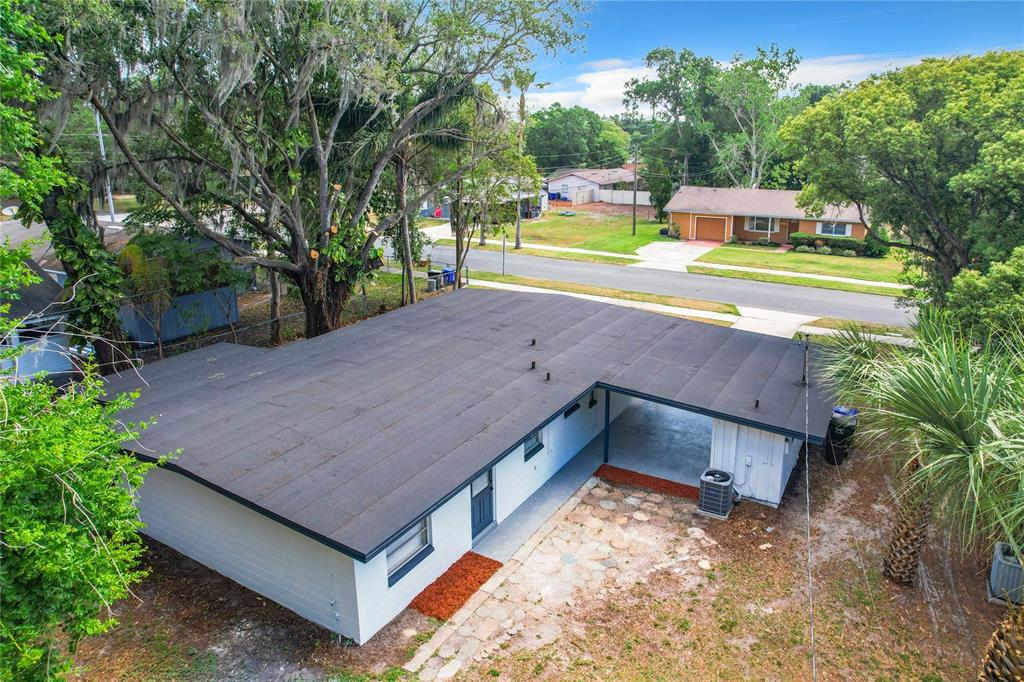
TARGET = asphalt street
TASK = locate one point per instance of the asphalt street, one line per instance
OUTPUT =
(782, 297)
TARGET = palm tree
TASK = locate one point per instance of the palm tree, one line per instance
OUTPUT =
(949, 411)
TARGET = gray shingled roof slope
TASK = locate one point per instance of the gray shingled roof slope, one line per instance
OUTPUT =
(765, 203)
(35, 298)
(353, 435)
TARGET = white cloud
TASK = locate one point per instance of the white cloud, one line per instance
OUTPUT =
(601, 84)
(599, 87)
(838, 69)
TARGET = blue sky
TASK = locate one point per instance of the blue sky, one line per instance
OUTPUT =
(838, 41)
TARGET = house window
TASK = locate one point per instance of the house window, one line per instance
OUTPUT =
(761, 224)
(532, 445)
(834, 229)
(409, 549)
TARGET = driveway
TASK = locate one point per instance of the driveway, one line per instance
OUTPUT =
(598, 545)
(765, 295)
(674, 255)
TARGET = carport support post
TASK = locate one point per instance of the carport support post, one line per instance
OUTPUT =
(607, 415)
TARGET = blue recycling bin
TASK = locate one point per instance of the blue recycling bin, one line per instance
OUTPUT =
(448, 276)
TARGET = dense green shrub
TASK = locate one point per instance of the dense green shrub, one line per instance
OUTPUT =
(848, 253)
(803, 248)
(874, 243)
(991, 303)
(764, 241)
(824, 250)
(858, 246)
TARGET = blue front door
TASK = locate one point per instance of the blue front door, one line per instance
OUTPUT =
(482, 493)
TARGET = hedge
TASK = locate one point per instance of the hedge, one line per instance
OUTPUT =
(859, 246)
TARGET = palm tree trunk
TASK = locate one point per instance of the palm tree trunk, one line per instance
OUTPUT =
(899, 563)
(401, 180)
(1004, 658)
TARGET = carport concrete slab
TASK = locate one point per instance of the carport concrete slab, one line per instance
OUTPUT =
(661, 441)
(509, 535)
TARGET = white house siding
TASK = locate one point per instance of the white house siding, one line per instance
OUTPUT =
(301, 574)
(569, 185)
(515, 480)
(759, 461)
(378, 603)
(49, 354)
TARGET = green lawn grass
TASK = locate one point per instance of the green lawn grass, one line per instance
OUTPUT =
(678, 301)
(122, 203)
(798, 281)
(594, 231)
(863, 327)
(871, 269)
(564, 255)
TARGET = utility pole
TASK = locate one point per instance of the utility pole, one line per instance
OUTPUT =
(103, 157)
(634, 188)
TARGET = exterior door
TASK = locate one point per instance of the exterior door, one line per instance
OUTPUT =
(712, 229)
(482, 492)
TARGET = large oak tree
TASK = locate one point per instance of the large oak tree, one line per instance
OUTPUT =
(288, 113)
(936, 151)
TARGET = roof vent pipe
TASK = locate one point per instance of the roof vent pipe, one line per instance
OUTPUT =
(533, 342)
(757, 403)
(548, 377)
(533, 364)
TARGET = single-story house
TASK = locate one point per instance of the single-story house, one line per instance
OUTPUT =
(720, 213)
(41, 329)
(341, 475)
(583, 185)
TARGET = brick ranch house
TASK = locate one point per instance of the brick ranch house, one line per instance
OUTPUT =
(718, 214)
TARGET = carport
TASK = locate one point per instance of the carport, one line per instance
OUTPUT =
(662, 441)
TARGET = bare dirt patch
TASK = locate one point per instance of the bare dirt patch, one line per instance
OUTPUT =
(191, 623)
(646, 212)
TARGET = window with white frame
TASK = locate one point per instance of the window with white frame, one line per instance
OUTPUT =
(407, 550)
(762, 224)
(834, 229)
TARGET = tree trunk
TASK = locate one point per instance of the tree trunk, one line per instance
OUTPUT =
(899, 562)
(96, 278)
(402, 185)
(275, 308)
(1004, 658)
(324, 300)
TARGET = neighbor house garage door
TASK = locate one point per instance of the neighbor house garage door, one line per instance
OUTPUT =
(711, 228)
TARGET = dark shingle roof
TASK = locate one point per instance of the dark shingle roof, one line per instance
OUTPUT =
(353, 435)
(35, 298)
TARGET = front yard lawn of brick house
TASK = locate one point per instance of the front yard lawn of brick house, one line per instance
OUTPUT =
(870, 269)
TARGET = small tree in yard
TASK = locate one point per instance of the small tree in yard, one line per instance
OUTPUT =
(934, 151)
(951, 416)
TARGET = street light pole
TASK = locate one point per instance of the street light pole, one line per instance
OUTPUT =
(103, 157)
(634, 189)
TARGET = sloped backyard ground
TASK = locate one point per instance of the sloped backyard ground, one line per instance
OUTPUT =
(647, 614)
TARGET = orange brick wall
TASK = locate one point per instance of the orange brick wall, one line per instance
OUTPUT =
(857, 230)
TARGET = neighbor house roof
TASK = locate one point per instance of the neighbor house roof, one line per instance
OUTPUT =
(602, 176)
(769, 203)
(38, 297)
(352, 436)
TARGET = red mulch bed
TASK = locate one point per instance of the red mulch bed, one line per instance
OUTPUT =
(446, 595)
(661, 485)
